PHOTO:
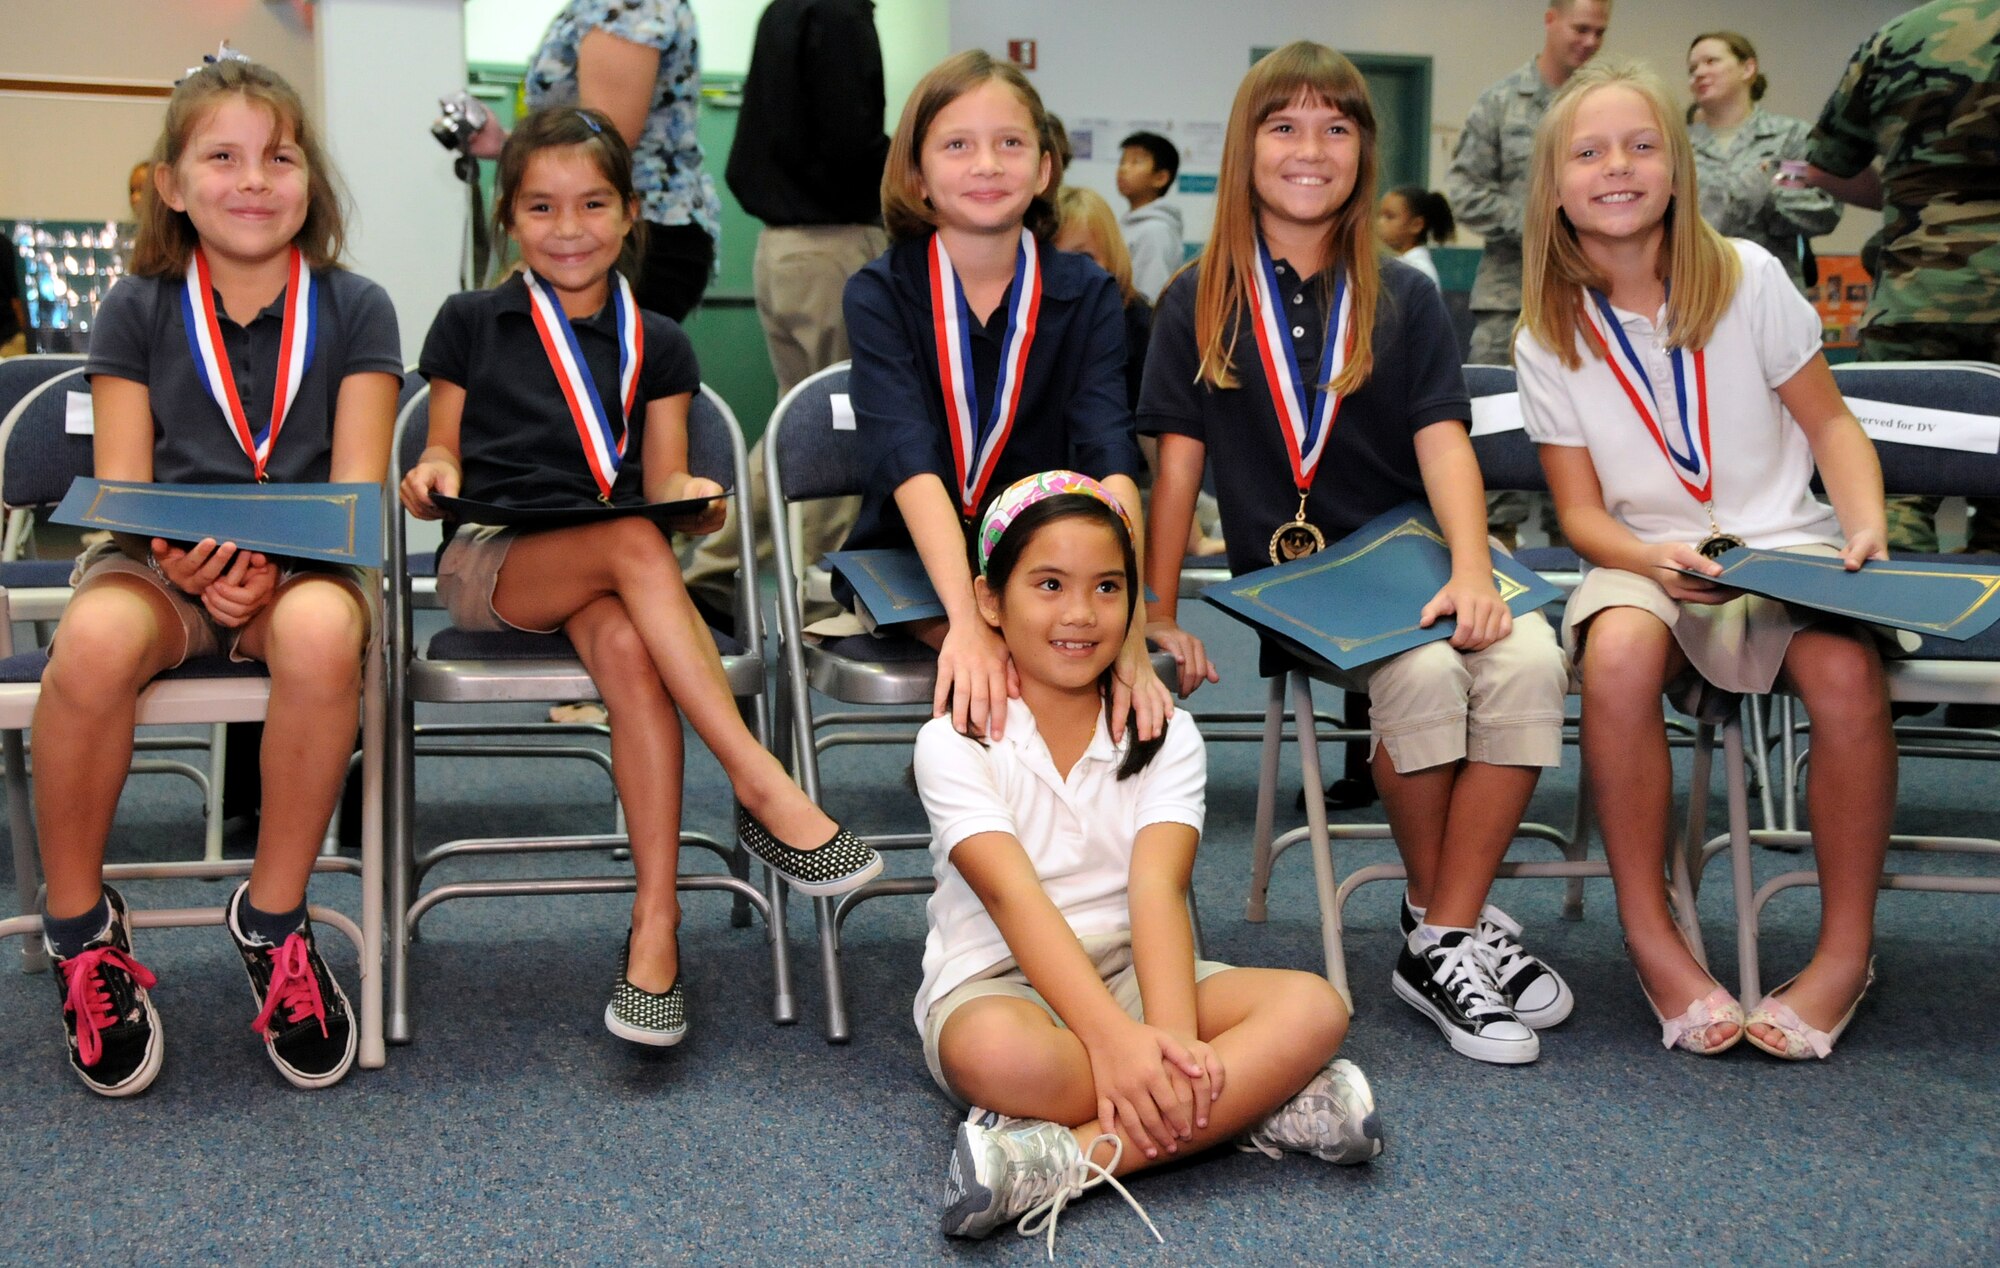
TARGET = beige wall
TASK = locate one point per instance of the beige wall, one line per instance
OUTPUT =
(66, 158)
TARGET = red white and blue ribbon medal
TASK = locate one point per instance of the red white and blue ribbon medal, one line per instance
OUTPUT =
(1306, 416)
(603, 444)
(1688, 452)
(978, 437)
(296, 344)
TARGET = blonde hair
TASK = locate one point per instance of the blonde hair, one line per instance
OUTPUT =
(1085, 209)
(1300, 71)
(166, 239)
(906, 213)
(1555, 273)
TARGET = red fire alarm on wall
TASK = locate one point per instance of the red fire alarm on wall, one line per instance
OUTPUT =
(1021, 53)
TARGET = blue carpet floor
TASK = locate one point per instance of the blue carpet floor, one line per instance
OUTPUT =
(514, 1129)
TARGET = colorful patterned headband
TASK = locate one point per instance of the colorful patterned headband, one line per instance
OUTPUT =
(1024, 493)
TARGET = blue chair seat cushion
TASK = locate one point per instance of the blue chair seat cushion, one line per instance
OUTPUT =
(1549, 559)
(17, 573)
(29, 666)
(867, 648)
(453, 643)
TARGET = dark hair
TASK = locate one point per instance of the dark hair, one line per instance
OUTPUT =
(1744, 51)
(166, 237)
(1430, 207)
(1007, 552)
(1165, 157)
(558, 127)
(1055, 139)
(906, 213)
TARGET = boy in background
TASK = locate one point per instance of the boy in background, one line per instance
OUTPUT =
(1147, 166)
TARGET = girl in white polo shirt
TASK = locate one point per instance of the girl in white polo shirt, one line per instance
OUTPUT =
(1061, 988)
(1674, 382)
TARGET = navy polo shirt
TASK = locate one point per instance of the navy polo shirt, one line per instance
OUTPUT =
(517, 442)
(1073, 412)
(141, 335)
(1370, 461)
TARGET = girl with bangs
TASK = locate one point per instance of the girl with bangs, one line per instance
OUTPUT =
(1368, 411)
(1674, 382)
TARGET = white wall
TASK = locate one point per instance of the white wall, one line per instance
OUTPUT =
(1180, 60)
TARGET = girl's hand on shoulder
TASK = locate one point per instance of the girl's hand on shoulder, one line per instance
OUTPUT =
(1135, 1090)
(709, 520)
(975, 677)
(194, 568)
(1188, 654)
(423, 480)
(1865, 544)
(1483, 618)
(239, 594)
(1670, 556)
(1137, 690)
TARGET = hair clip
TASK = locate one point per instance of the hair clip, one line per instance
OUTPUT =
(589, 122)
(222, 53)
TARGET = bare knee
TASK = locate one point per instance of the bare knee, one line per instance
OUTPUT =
(1625, 656)
(106, 649)
(1317, 1013)
(614, 650)
(989, 1055)
(639, 550)
(1840, 678)
(314, 635)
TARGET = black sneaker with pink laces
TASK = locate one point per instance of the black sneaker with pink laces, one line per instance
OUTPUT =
(108, 1019)
(302, 1015)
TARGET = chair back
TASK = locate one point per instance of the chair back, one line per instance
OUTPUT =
(1964, 387)
(1507, 459)
(805, 455)
(39, 458)
(413, 422)
(23, 374)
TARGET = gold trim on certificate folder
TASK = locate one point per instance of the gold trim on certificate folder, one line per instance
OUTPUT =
(98, 516)
(898, 602)
(1986, 579)
(1509, 588)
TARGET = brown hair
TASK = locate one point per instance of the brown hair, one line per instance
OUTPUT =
(1555, 273)
(1743, 50)
(562, 127)
(167, 238)
(1087, 210)
(906, 213)
(1299, 71)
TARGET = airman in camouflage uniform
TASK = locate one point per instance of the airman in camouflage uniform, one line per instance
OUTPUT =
(1488, 189)
(1923, 95)
(1738, 198)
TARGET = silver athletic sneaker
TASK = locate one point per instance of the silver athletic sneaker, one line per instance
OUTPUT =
(1333, 1119)
(1028, 1170)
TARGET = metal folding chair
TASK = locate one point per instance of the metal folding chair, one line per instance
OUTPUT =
(461, 667)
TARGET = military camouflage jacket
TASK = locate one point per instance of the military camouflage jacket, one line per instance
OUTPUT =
(1923, 95)
(1736, 192)
(1488, 181)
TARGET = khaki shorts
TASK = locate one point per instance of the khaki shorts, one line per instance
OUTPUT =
(1110, 954)
(467, 573)
(1502, 705)
(203, 636)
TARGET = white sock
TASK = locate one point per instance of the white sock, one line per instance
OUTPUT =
(1412, 908)
(1429, 935)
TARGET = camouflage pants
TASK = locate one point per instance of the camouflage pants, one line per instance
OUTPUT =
(1913, 520)
(1493, 344)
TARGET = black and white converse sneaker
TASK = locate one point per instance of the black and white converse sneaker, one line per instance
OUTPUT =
(656, 1019)
(845, 862)
(1537, 993)
(1451, 983)
(302, 1013)
(109, 1023)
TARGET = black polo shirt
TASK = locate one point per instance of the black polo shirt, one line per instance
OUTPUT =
(1370, 461)
(1072, 413)
(141, 336)
(517, 443)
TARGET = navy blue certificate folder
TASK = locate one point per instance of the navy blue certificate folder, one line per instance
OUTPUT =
(333, 523)
(1358, 600)
(1944, 598)
(891, 584)
(466, 511)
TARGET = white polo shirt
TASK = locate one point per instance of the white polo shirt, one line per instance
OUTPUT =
(1763, 466)
(1078, 832)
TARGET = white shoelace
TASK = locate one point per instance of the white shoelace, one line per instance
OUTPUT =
(1053, 1191)
(1500, 937)
(1465, 972)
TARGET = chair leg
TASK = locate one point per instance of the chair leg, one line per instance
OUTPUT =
(1684, 856)
(784, 1000)
(1697, 811)
(1194, 923)
(1739, 859)
(1756, 724)
(400, 869)
(27, 861)
(1322, 848)
(218, 757)
(1267, 797)
(1577, 847)
(1788, 753)
(373, 1053)
(829, 965)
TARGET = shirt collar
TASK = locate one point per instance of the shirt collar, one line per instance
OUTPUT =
(512, 297)
(1025, 736)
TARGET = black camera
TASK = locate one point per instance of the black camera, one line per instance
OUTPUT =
(459, 120)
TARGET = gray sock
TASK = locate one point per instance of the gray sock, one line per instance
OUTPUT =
(68, 935)
(262, 926)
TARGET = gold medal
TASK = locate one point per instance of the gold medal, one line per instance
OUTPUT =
(1717, 543)
(1296, 539)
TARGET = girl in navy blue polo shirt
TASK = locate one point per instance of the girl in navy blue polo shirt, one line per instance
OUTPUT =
(1322, 380)
(982, 355)
(554, 389)
(237, 349)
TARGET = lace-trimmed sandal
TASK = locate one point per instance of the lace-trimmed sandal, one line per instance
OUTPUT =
(1798, 1040)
